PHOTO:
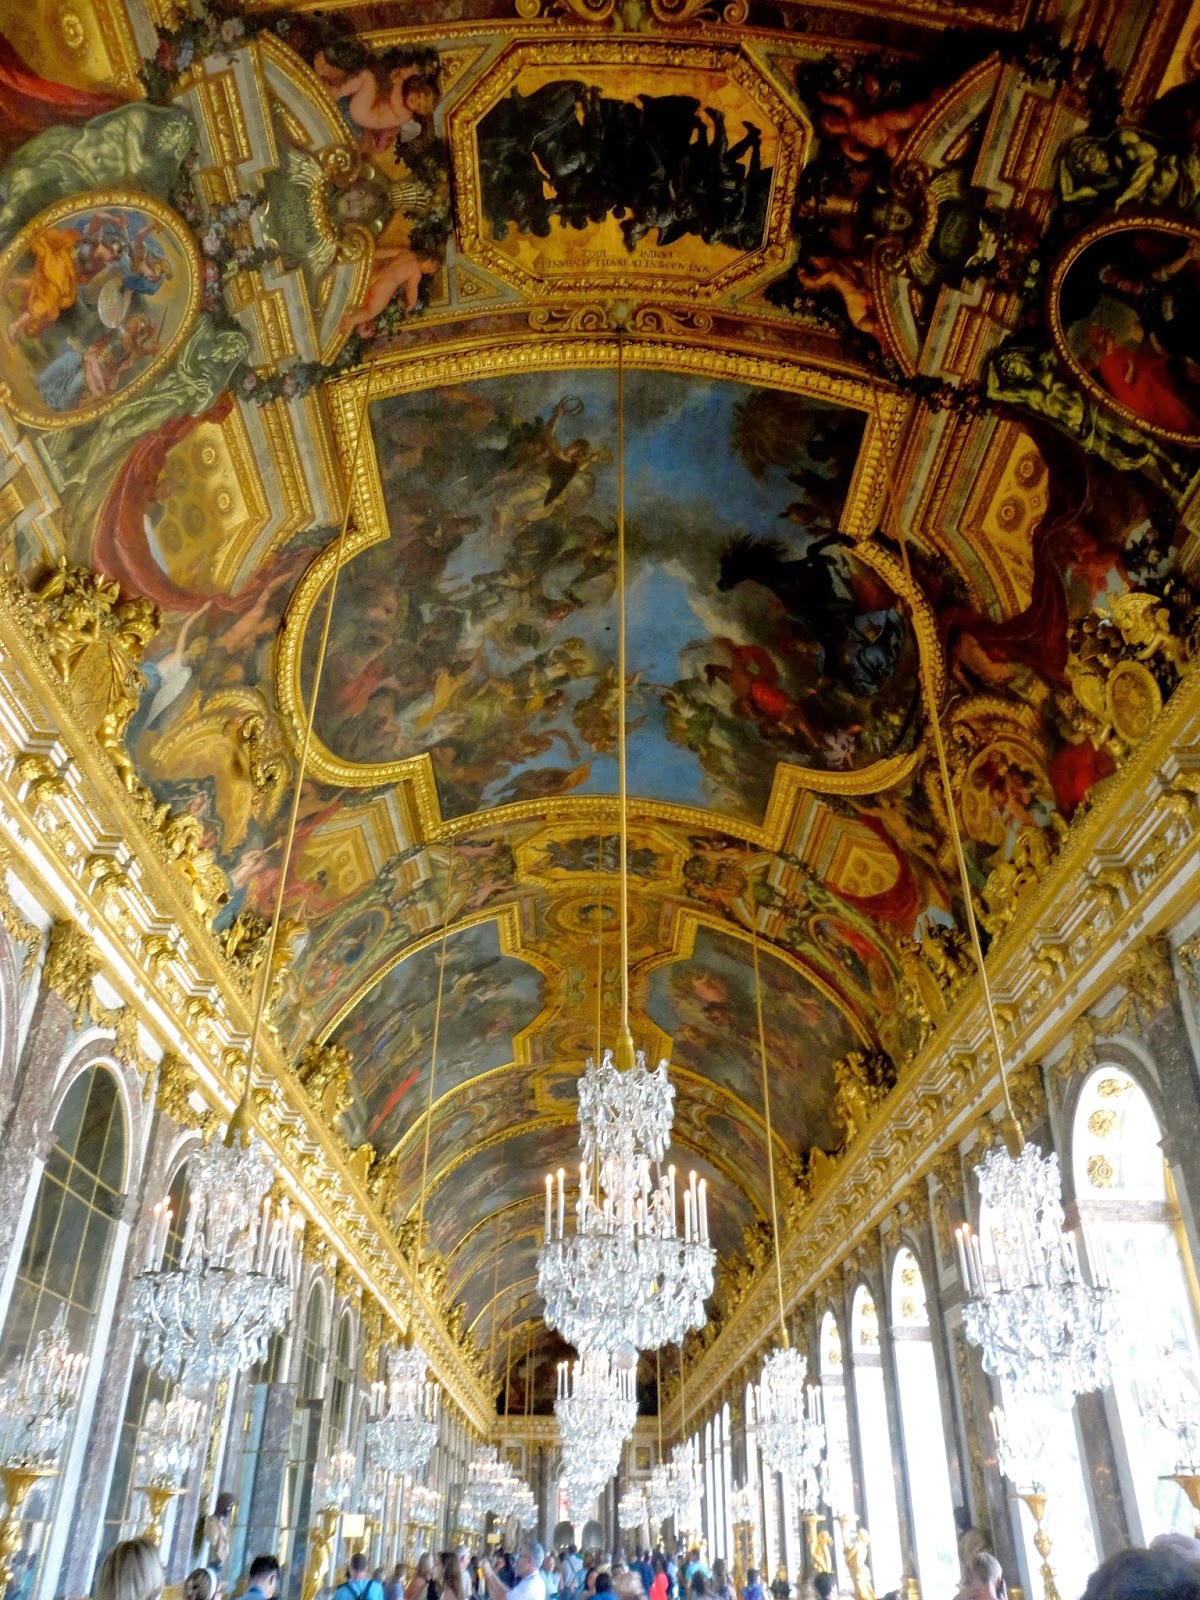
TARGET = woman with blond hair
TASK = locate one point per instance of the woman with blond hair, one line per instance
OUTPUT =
(131, 1570)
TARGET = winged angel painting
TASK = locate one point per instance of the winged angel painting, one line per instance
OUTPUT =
(483, 630)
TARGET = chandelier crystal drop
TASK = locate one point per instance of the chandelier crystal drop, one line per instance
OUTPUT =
(403, 1425)
(38, 1396)
(1040, 1327)
(212, 1314)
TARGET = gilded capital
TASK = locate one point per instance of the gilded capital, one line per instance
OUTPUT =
(176, 1085)
(72, 962)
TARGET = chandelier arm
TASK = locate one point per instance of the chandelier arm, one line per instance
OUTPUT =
(237, 1125)
(1013, 1135)
(433, 1057)
(625, 1042)
(766, 1087)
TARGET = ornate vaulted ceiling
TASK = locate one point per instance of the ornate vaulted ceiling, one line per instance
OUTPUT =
(911, 402)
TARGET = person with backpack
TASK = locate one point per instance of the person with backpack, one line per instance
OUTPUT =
(358, 1586)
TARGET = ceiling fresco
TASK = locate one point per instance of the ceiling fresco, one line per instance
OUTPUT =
(900, 300)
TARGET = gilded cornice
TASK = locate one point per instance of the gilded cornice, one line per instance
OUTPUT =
(62, 809)
(1128, 869)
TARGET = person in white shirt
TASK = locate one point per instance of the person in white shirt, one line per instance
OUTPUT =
(530, 1584)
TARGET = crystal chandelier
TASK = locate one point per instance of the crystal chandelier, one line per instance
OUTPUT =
(686, 1487)
(596, 1409)
(1022, 1454)
(38, 1396)
(424, 1503)
(333, 1481)
(403, 1426)
(660, 1494)
(791, 1432)
(627, 1279)
(1040, 1327)
(1170, 1399)
(212, 1314)
(631, 1509)
(486, 1484)
(167, 1441)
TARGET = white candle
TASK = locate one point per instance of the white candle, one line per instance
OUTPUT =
(561, 1201)
(687, 1216)
(977, 1260)
(703, 1211)
(549, 1184)
(674, 1212)
(962, 1256)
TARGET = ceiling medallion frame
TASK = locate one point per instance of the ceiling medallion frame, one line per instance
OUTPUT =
(575, 55)
(461, 363)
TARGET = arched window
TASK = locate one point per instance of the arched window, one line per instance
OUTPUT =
(923, 1427)
(710, 1491)
(64, 1262)
(879, 1482)
(305, 1439)
(126, 1513)
(837, 1427)
(754, 1481)
(1128, 1205)
(343, 1380)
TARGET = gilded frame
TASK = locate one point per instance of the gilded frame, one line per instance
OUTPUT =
(884, 414)
(47, 421)
(1127, 222)
(579, 53)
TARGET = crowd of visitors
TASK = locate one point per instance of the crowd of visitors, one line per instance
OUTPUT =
(1168, 1570)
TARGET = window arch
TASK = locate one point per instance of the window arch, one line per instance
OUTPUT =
(879, 1483)
(1128, 1205)
(64, 1260)
(923, 1425)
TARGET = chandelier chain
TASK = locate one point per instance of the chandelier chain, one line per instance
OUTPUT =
(939, 744)
(289, 838)
(433, 1059)
(622, 756)
(766, 1086)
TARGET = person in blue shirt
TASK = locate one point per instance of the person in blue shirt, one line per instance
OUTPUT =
(264, 1579)
(357, 1585)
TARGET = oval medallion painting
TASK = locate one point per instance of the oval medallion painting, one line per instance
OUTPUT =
(96, 294)
(1125, 315)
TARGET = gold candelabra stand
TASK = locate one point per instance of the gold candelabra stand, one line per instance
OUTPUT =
(818, 1542)
(1035, 1499)
(18, 1480)
(1189, 1482)
(158, 1498)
